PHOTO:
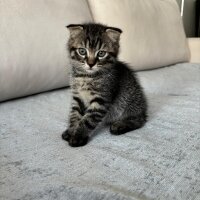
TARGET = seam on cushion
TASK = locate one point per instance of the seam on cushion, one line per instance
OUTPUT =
(90, 10)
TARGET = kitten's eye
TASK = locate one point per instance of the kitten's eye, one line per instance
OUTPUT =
(82, 51)
(101, 54)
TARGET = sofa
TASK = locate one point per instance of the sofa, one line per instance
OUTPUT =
(159, 161)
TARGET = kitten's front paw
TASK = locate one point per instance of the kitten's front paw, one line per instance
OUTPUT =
(78, 140)
(66, 136)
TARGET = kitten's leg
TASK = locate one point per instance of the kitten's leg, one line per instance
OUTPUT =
(128, 124)
(93, 116)
(77, 112)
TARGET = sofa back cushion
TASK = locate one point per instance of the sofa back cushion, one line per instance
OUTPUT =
(153, 34)
(33, 56)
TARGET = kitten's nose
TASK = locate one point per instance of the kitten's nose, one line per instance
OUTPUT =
(91, 65)
(91, 61)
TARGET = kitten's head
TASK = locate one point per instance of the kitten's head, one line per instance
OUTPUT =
(93, 47)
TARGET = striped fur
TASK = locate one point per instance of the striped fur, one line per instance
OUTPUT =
(104, 89)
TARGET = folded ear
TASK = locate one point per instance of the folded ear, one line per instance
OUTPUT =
(114, 33)
(74, 29)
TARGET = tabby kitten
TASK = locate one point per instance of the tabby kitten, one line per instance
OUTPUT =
(104, 89)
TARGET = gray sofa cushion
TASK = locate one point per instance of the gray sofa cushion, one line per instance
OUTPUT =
(159, 161)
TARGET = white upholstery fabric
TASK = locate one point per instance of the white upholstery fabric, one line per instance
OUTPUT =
(194, 45)
(153, 34)
(33, 38)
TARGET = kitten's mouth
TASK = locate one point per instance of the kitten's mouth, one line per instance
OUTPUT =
(90, 70)
(91, 67)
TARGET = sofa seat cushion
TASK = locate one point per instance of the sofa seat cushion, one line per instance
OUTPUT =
(159, 161)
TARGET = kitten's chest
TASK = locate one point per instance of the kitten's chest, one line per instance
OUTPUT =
(84, 88)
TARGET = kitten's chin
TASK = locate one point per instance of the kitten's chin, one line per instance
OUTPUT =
(89, 71)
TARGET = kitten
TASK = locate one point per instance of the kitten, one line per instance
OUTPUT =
(104, 89)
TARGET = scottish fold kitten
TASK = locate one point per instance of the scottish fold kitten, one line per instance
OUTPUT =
(104, 89)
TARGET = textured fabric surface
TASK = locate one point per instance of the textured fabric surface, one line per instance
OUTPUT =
(160, 161)
(153, 34)
(33, 38)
